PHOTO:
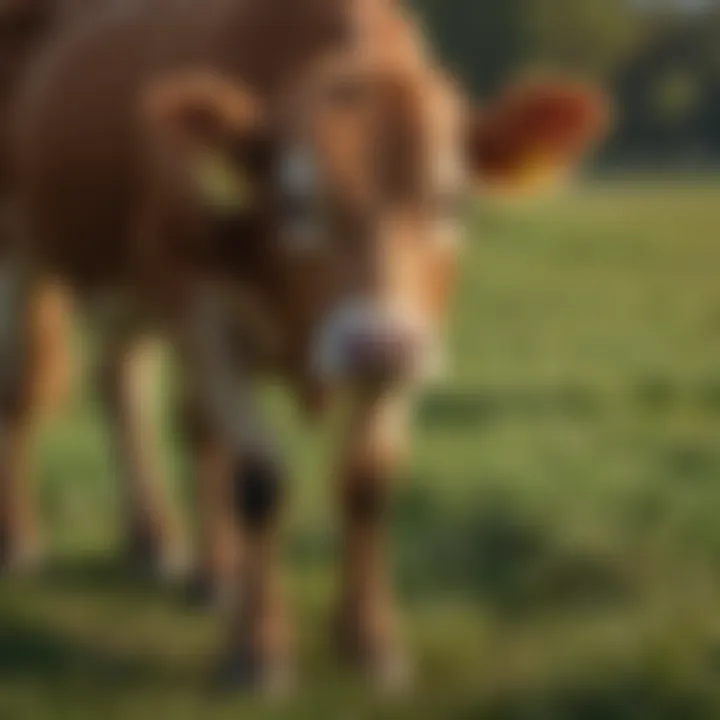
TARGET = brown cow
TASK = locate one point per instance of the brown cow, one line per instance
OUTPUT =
(276, 186)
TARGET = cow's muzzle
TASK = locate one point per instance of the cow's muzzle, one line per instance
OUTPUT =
(362, 343)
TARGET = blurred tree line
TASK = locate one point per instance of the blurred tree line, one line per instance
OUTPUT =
(659, 58)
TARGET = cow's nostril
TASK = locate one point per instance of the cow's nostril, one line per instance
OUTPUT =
(382, 353)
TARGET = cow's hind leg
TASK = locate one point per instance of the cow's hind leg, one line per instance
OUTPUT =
(34, 373)
(366, 624)
(128, 387)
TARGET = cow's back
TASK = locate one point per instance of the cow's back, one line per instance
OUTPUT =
(74, 143)
(24, 25)
(78, 144)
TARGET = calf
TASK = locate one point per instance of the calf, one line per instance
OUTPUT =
(277, 187)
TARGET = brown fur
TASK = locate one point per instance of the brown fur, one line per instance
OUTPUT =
(25, 26)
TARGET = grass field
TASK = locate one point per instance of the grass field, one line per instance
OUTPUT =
(557, 542)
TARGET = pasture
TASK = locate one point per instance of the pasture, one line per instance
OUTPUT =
(556, 540)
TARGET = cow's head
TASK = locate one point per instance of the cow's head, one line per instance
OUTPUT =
(370, 163)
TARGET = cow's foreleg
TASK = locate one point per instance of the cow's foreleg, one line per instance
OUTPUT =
(259, 651)
(217, 536)
(259, 638)
(127, 378)
(375, 447)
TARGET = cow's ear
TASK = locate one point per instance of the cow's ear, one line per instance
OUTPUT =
(536, 134)
(216, 128)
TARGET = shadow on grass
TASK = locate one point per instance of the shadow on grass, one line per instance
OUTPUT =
(487, 405)
(492, 551)
(638, 695)
(108, 577)
(30, 650)
(690, 463)
(92, 573)
(104, 574)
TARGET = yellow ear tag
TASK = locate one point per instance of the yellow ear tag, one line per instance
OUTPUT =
(223, 185)
(537, 169)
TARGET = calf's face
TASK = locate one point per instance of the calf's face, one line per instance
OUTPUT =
(372, 171)
(366, 167)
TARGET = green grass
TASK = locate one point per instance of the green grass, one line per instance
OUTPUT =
(557, 542)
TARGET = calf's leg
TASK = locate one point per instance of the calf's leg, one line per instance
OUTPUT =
(368, 630)
(34, 373)
(128, 375)
(259, 629)
(217, 537)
